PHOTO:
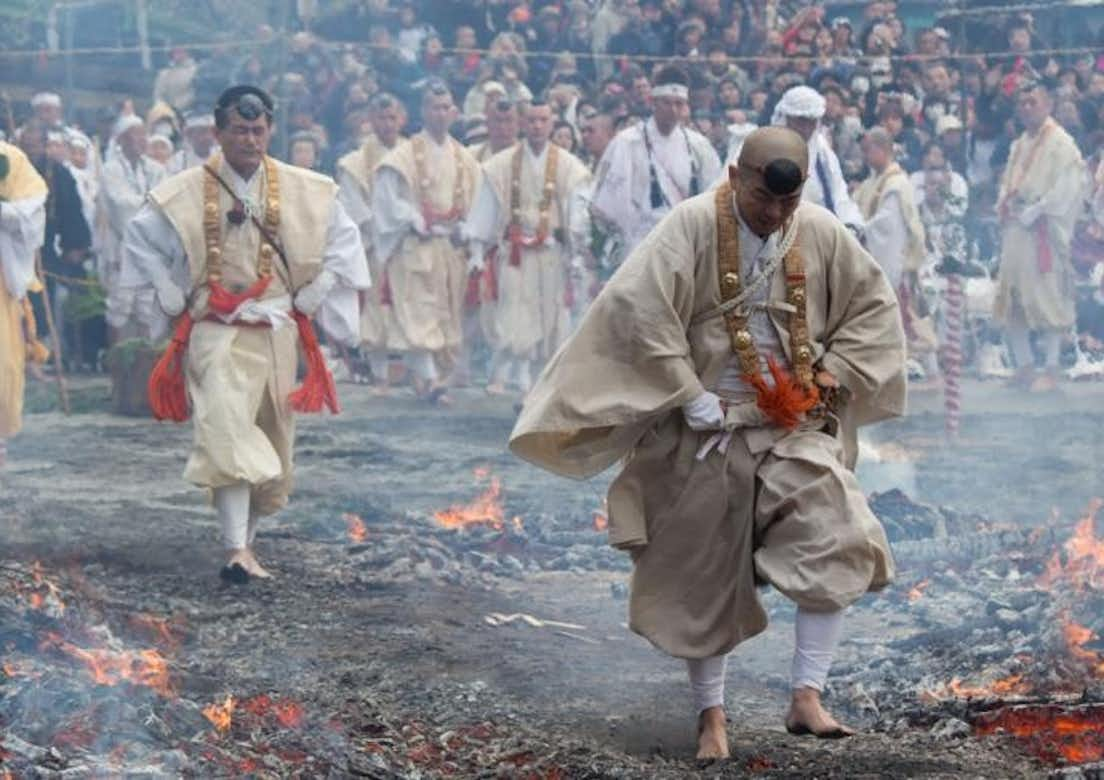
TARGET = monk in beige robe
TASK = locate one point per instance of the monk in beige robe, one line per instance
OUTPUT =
(1040, 201)
(421, 193)
(895, 238)
(729, 362)
(523, 209)
(243, 250)
(22, 226)
(354, 177)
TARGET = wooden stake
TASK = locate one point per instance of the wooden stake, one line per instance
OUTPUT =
(55, 341)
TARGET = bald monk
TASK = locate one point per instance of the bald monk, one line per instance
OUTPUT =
(729, 362)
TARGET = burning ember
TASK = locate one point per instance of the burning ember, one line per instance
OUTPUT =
(220, 715)
(110, 667)
(601, 522)
(1051, 731)
(1084, 556)
(1012, 685)
(358, 532)
(486, 509)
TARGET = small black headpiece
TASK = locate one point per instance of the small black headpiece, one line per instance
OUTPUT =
(782, 176)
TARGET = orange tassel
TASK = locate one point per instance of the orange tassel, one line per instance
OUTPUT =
(225, 302)
(318, 388)
(787, 401)
(168, 394)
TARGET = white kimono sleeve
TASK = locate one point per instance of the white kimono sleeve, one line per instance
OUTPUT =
(153, 259)
(613, 197)
(22, 227)
(344, 258)
(394, 211)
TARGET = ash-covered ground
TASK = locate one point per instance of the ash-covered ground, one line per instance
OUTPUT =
(393, 646)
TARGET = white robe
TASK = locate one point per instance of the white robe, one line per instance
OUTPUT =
(124, 190)
(622, 195)
(154, 255)
(187, 158)
(22, 224)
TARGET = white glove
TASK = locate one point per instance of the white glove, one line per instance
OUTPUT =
(419, 225)
(170, 299)
(704, 413)
(310, 297)
(1029, 214)
(475, 263)
(576, 267)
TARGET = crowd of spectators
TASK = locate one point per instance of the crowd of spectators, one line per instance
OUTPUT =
(944, 89)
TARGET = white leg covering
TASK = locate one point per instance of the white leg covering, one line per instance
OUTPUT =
(377, 363)
(524, 376)
(817, 635)
(1019, 339)
(1052, 347)
(499, 368)
(232, 505)
(707, 681)
(254, 521)
(420, 363)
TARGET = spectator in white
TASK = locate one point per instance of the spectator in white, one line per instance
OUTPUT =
(199, 143)
(175, 84)
(801, 109)
(483, 95)
(128, 177)
(412, 34)
(48, 109)
(84, 164)
(653, 166)
(160, 148)
(955, 192)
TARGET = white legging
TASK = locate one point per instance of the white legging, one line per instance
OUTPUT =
(1019, 339)
(232, 505)
(816, 635)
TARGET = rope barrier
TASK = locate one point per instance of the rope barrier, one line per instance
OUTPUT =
(343, 46)
(91, 283)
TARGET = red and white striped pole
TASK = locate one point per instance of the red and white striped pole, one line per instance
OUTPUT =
(952, 355)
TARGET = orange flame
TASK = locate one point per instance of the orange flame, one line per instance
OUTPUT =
(601, 521)
(220, 715)
(110, 667)
(289, 714)
(162, 631)
(1084, 555)
(39, 600)
(1013, 684)
(356, 528)
(917, 591)
(486, 509)
(1077, 636)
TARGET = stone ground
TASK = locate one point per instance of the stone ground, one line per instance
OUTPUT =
(104, 493)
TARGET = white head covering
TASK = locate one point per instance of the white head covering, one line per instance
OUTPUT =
(77, 139)
(799, 101)
(126, 122)
(46, 99)
(154, 140)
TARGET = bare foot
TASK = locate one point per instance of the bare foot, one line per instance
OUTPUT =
(712, 736)
(1044, 383)
(808, 716)
(1022, 378)
(496, 388)
(249, 562)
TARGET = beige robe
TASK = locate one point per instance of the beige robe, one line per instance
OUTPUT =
(1052, 180)
(531, 317)
(376, 315)
(239, 378)
(22, 221)
(428, 275)
(782, 507)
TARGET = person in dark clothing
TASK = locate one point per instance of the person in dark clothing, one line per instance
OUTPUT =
(67, 243)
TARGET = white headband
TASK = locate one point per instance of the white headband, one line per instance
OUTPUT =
(46, 99)
(680, 91)
(199, 120)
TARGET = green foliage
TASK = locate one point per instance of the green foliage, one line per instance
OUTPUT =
(85, 302)
(125, 353)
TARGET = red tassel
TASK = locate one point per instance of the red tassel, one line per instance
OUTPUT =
(787, 401)
(168, 394)
(318, 388)
(225, 302)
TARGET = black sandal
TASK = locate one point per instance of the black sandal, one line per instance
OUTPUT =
(235, 574)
